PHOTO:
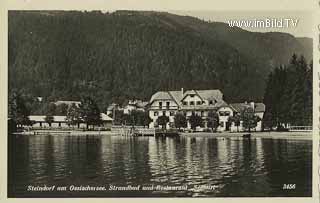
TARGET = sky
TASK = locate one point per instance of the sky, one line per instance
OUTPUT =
(303, 27)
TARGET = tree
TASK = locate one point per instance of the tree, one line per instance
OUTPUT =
(140, 118)
(213, 120)
(180, 121)
(118, 117)
(51, 110)
(249, 119)
(268, 121)
(73, 115)
(146, 118)
(163, 120)
(49, 119)
(288, 94)
(90, 112)
(18, 111)
(62, 109)
(195, 121)
(236, 119)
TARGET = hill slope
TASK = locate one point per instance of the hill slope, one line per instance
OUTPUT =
(126, 54)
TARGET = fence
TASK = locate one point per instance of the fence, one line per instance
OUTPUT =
(136, 130)
(300, 128)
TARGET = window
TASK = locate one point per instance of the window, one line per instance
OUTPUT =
(199, 102)
(160, 105)
(185, 103)
(163, 113)
(202, 113)
(191, 95)
(171, 113)
(224, 113)
(155, 113)
(210, 102)
(192, 103)
(168, 104)
(222, 124)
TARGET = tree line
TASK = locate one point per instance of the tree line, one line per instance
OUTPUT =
(113, 57)
(288, 95)
(246, 117)
(87, 112)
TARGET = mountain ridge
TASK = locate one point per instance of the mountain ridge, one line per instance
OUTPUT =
(125, 54)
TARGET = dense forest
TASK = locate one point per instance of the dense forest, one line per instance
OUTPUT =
(113, 57)
(288, 95)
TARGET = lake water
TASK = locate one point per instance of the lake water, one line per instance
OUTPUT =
(205, 167)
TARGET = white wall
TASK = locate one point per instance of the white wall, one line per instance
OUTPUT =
(155, 107)
(223, 119)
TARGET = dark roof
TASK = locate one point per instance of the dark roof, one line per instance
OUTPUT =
(160, 96)
(177, 96)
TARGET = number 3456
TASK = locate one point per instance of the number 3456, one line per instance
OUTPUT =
(289, 186)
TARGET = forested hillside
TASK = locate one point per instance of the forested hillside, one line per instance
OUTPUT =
(116, 56)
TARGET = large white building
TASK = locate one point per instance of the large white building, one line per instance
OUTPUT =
(199, 102)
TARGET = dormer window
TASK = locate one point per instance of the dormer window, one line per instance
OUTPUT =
(210, 102)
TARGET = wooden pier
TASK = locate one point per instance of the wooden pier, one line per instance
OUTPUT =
(51, 132)
(133, 131)
(141, 131)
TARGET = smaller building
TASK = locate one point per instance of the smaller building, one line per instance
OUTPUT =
(106, 121)
(112, 107)
(138, 105)
(38, 121)
(258, 108)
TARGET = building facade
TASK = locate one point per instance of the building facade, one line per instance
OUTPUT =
(199, 102)
(39, 121)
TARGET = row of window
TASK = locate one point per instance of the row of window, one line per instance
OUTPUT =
(202, 113)
(167, 105)
(192, 103)
(156, 113)
(224, 113)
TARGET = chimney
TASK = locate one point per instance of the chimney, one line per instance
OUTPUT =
(182, 92)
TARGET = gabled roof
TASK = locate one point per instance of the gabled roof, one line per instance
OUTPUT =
(177, 96)
(105, 117)
(210, 94)
(258, 107)
(160, 96)
(191, 92)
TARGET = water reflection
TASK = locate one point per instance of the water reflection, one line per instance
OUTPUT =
(236, 167)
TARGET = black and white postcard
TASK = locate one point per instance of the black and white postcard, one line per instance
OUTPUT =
(160, 103)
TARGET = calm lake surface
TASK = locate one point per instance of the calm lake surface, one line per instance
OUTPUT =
(233, 167)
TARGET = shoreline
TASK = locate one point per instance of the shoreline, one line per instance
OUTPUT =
(274, 135)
